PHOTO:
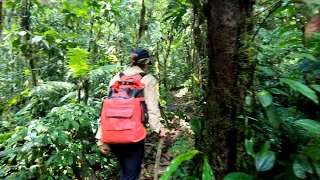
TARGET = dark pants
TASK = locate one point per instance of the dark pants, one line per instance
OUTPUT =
(130, 158)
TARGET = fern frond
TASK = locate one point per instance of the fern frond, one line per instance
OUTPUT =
(78, 62)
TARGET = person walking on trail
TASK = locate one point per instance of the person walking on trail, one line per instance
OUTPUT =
(131, 102)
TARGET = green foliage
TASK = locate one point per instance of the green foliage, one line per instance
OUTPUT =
(176, 162)
(72, 49)
(78, 63)
(265, 160)
(52, 145)
(310, 125)
(237, 176)
(312, 150)
(265, 98)
(301, 167)
(303, 89)
(195, 125)
(249, 147)
(206, 169)
(207, 173)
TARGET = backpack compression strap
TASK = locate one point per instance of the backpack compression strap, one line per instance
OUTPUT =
(121, 74)
(142, 74)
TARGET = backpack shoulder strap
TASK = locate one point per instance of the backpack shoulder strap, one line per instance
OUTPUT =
(121, 74)
(142, 74)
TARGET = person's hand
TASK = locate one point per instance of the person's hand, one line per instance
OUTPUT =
(162, 132)
(105, 149)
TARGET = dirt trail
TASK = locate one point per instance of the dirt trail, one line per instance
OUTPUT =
(177, 124)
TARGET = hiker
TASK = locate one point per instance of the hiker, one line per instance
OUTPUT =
(129, 154)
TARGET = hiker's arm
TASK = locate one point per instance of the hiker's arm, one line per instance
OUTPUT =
(100, 143)
(151, 99)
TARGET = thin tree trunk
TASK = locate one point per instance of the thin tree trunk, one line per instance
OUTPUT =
(141, 22)
(10, 16)
(79, 94)
(199, 50)
(150, 12)
(25, 25)
(86, 86)
(1, 16)
(166, 58)
(221, 136)
(86, 82)
(158, 63)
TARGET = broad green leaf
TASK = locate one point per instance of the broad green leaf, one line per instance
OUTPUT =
(13, 139)
(27, 147)
(303, 55)
(266, 71)
(69, 95)
(313, 150)
(75, 125)
(316, 166)
(316, 87)
(265, 160)
(265, 98)
(300, 166)
(16, 43)
(265, 147)
(293, 42)
(273, 116)
(9, 151)
(237, 176)
(195, 126)
(249, 147)
(70, 160)
(51, 158)
(66, 124)
(303, 89)
(207, 173)
(176, 162)
(5, 136)
(278, 91)
(310, 125)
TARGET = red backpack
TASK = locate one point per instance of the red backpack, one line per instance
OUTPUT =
(124, 111)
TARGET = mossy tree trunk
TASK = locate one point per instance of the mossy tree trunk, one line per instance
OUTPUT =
(25, 26)
(230, 75)
(1, 16)
(198, 43)
(141, 23)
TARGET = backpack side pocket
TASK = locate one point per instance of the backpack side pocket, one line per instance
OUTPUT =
(144, 112)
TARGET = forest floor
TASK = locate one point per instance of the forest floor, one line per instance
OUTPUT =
(178, 140)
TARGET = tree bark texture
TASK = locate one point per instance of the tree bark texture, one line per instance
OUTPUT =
(198, 39)
(230, 75)
(141, 22)
(25, 25)
(1, 16)
(165, 60)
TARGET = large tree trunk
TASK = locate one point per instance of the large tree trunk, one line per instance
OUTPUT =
(230, 74)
